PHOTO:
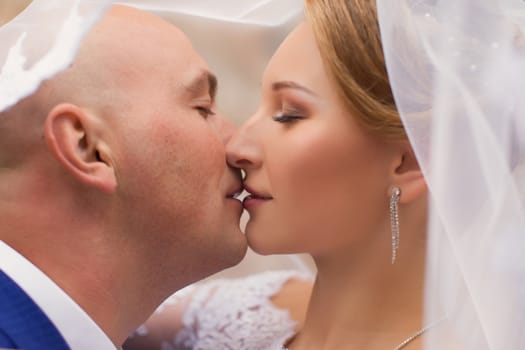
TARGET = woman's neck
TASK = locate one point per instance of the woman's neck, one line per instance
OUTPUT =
(362, 301)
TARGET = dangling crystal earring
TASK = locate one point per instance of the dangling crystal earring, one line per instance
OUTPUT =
(394, 220)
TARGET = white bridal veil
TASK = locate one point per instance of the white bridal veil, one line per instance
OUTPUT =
(40, 42)
(457, 69)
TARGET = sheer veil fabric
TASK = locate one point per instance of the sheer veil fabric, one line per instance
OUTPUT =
(457, 68)
(40, 42)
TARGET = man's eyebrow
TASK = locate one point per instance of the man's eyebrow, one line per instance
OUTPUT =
(205, 80)
(281, 85)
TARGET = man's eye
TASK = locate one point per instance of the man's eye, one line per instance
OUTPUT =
(286, 118)
(205, 111)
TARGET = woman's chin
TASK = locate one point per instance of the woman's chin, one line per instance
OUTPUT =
(264, 245)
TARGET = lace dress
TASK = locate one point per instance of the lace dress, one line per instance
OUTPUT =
(232, 315)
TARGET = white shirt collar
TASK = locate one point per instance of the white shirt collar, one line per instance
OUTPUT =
(77, 328)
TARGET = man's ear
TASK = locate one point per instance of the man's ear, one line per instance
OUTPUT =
(74, 139)
(408, 175)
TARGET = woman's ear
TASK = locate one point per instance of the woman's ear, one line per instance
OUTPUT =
(74, 139)
(408, 176)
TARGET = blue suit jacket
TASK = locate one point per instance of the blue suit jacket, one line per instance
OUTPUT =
(23, 325)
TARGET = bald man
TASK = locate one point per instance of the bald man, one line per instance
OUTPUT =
(114, 189)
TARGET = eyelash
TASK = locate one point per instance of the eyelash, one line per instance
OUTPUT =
(286, 118)
(205, 112)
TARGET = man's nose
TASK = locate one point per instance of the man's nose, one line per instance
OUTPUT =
(226, 129)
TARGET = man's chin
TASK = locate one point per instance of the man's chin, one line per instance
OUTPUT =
(239, 247)
(230, 257)
(235, 250)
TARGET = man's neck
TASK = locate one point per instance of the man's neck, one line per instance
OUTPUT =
(103, 283)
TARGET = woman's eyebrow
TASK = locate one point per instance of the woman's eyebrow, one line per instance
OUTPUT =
(281, 85)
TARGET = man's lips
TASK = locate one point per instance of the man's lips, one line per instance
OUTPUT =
(234, 194)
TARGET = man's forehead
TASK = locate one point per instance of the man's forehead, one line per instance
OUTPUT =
(154, 33)
(164, 52)
(136, 16)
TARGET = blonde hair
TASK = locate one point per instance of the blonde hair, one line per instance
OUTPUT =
(347, 33)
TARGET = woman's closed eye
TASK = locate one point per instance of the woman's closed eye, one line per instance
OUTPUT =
(288, 115)
(286, 118)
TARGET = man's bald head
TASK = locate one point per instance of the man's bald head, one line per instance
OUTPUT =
(109, 64)
(115, 53)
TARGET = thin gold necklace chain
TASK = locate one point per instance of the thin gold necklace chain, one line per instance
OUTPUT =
(407, 340)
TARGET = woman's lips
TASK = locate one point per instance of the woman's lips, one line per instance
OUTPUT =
(252, 201)
(254, 198)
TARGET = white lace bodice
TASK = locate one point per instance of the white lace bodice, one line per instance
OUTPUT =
(233, 315)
